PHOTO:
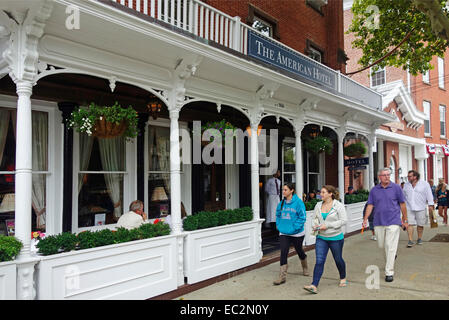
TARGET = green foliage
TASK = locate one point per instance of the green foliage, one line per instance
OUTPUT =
(396, 19)
(356, 149)
(84, 119)
(360, 196)
(87, 239)
(319, 144)
(9, 248)
(205, 219)
(310, 205)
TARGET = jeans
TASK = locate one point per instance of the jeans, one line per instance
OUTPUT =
(285, 242)
(321, 249)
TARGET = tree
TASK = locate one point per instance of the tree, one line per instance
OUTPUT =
(400, 33)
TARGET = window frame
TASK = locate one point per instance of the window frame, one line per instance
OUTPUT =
(371, 75)
(253, 11)
(426, 77)
(129, 182)
(186, 169)
(292, 141)
(441, 108)
(441, 73)
(51, 200)
(311, 46)
(428, 115)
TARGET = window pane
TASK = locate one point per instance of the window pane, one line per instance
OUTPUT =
(100, 199)
(159, 195)
(378, 78)
(263, 27)
(289, 157)
(40, 140)
(425, 76)
(426, 126)
(158, 148)
(289, 178)
(440, 72)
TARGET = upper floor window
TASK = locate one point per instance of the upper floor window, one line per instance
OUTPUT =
(441, 72)
(314, 52)
(378, 77)
(263, 22)
(263, 27)
(426, 107)
(317, 4)
(442, 120)
(426, 77)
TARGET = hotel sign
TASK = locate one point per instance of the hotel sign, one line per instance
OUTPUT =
(273, 53)
(356, 162)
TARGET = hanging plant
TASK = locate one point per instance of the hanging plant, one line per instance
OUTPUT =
(105, 122)
(221, 126)
(356, 149)
(319, 144)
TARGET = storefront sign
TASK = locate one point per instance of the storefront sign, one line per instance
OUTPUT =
(357, 168)
(273, 53)
(356, 162)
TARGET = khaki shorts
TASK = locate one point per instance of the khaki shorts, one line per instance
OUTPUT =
(417, 218)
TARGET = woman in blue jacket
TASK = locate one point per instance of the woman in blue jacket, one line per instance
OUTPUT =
(290, 220)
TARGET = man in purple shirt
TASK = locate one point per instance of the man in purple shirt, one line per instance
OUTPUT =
(388, 202)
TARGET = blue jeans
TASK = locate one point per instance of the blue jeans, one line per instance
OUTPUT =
(321, 249)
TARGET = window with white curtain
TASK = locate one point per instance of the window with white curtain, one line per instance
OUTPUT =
(442, 121)
(426, 107)
(101, 172)
(441, 72)
(7, 170)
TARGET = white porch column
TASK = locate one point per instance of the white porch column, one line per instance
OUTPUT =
(371, 142)
(341, 165)
(298, 159)
(255, 171)
(175, 172)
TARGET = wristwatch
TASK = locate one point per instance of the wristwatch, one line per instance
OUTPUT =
(405, 221)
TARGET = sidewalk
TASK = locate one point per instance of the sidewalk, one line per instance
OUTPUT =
(421, 272)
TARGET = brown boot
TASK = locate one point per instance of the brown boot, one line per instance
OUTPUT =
(282, 275)
(305, 270)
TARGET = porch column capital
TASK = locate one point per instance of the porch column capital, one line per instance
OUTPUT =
(24, 30)
(298, 126)
(255, 116)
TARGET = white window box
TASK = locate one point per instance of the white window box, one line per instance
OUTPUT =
(215, 251)
(132, 270)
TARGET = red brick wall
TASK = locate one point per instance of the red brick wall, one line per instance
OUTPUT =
(407, 131)
(297, 22)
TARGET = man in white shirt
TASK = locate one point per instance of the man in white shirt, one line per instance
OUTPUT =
(134, 218)
(273, 190)
(417, 195)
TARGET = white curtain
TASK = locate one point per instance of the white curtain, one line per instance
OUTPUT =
(4, 124)
(163, 152)
(39, 151)
(86, 143)
(112, 152)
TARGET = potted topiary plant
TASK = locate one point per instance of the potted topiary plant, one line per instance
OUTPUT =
(105, 122)
(319, 144)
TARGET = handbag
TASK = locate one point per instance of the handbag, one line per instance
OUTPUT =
(433, 219)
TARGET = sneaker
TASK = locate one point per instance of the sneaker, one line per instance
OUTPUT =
(389, 278)
(373, 238)
(419, 241)
(410, 244)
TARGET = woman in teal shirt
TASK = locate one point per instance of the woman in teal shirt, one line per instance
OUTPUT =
(328, 221)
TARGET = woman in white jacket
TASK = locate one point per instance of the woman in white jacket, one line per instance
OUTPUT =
(328, 220)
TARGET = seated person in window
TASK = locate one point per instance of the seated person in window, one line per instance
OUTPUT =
(134, 218)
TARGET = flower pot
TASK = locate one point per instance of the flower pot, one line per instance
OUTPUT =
(106, 130)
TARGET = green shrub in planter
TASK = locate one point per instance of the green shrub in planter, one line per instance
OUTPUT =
(104, 237)
(224, 217)
(190, 223)
(49, 245)
(86, 240)
(204, 219)
(9, 248)
(310, 205)
(161, 229)
(67, 241)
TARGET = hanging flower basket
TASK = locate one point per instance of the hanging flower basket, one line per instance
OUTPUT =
(356, 149)
(105, 122)
(221, 126)
(319, 144)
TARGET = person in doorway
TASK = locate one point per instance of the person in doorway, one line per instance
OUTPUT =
(134, 218)
(417, 195)
(328, 220)
(443, 201)
(273, 191)
(386, 201)
(290, 220)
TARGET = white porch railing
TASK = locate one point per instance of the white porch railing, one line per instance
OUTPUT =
(211, 24)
